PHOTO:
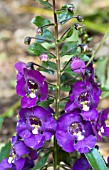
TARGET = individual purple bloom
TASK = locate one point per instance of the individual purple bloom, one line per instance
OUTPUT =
(73, 133)
(100, 128)
(4, 165)
(36, 125)
(77, 65)
(82, 164)
(43, 57)
(83, 95)
(31, 85)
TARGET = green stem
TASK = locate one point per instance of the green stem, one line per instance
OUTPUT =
(58, 84)
(101, 43)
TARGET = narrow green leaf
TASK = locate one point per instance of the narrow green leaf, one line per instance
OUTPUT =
(64, 15)
(37, 49)
(5, 151)
(46, 103)
(41, 162)
(66, 76)
(100, 45)
(95, 160)
(47, 36)
(1, 122)
(69, 48)
(45, 3)
(39, 21)
(68, 34)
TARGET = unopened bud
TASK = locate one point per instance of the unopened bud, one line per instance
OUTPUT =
(27, 40)
(30, 65)
(79, 18)
(77, 26)
(43, 57)
(39, 31)
(84, 48)
(71, 9)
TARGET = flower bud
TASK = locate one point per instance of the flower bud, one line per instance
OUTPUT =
(43, 57)
(77, 26)
(77, 65)
(30, 65)
(71, 9)
(85, 48)
(79, 18)
(40, 31)
(27, 40)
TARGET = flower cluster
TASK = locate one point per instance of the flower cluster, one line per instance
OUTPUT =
(78, 127)
(35, 125)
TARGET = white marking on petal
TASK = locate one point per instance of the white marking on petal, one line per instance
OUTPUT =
(32, 95)
(10, 160)
(102, 129)
(85, 108)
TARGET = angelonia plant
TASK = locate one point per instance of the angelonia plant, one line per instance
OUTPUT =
(58, 124)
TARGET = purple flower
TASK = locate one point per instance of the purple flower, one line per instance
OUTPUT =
(82, 164)
(36, 125)
(100, 127)
(83, 95)
(43, 57)
(73, 133)
(31, 85)
(21, 157)
(77, 65)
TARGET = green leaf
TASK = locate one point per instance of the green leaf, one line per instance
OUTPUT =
(49, 65)
(5, 151)
(45, 3)
(64, 15)
(47, 35)
(37, 49)
(69, 48)
(66, 76)
(64, 157)
(1, 122)
(102, 78)
(46, 103)
(41, 162)
(96, 160)
(68, 34)
(39, 21)
(84, 57)
(65, 88)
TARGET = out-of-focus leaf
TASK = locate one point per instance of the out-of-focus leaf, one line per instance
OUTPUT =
(69, 48)
(39, 21)
(101, 63)
(37, 49)
(41, 162)
(47, 36)
(45, 3)
(95, 159)
(5, 151)
(1, 122)
(64, 15)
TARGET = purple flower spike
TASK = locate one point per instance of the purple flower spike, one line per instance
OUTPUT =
(30, 85)
(83, 95)
(82, 164)
(73, 133)
(36, 125)
(77, 65)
